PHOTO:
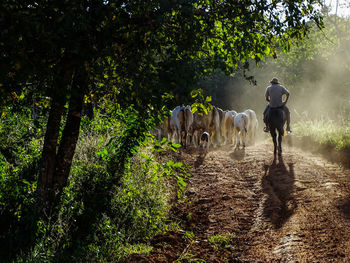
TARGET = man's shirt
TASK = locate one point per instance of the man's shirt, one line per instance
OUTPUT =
(275, 92)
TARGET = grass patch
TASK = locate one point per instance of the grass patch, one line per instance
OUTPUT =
(330, 138)
(325, 132)
(221, 241)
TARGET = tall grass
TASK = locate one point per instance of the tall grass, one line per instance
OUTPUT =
(325, 132)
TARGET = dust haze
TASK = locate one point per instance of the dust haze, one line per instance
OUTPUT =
(316, 72)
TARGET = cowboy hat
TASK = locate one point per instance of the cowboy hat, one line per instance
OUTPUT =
(274, 81)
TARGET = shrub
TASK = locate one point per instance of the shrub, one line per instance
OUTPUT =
(99, 218)
(20, 150)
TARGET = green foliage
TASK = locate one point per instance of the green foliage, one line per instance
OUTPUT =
(20, 149)
(102, 219)
(219, 241)
(188, 235)
(142, 49)
(201, 104)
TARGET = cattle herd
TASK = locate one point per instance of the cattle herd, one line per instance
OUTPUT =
(223, 127)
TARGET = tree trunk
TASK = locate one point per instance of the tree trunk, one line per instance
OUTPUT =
(47, 173)
(47, 188)
(70, 134)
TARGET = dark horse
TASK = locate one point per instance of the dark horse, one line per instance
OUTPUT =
(276, 119)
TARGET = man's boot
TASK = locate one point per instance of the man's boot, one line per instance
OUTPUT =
(288, 128)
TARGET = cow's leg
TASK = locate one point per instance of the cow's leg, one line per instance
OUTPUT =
(170, 136)
(237, 140)
(195, 139)
(183, 138)
(243, 135)
(188, 138)
(253, 136)
(248, 137)
(213, 137)
(199, 133)
(177, 136)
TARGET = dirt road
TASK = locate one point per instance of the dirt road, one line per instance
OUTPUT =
(296, 209)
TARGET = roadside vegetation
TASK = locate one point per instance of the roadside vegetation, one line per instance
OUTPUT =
(328, 137)
(325, 132)
(99, 218)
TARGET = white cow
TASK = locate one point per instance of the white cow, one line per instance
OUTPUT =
(222, 120)
(252, 126)
(214, 126)
(241, 125)
(188, 123)
(227, 128)
(180, 123)
(176, 124)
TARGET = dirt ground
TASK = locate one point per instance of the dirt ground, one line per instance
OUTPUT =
(296, 209)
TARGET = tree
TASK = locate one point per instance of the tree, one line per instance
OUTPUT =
(131, 50)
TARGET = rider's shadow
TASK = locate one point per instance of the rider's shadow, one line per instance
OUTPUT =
(278, 184)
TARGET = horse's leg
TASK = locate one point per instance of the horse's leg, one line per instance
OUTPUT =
(274, 135)
(280, 135)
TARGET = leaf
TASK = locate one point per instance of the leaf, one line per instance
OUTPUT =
(208, 99)
(170, 163)
(178, 165)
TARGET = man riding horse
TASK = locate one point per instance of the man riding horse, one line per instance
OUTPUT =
(273, 95)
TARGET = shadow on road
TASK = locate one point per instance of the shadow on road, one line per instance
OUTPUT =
(278, 184)
(200, 159)
(238, 154)
(344, 207)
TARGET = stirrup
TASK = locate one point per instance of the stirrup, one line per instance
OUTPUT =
(288, 130)
(266, 129)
